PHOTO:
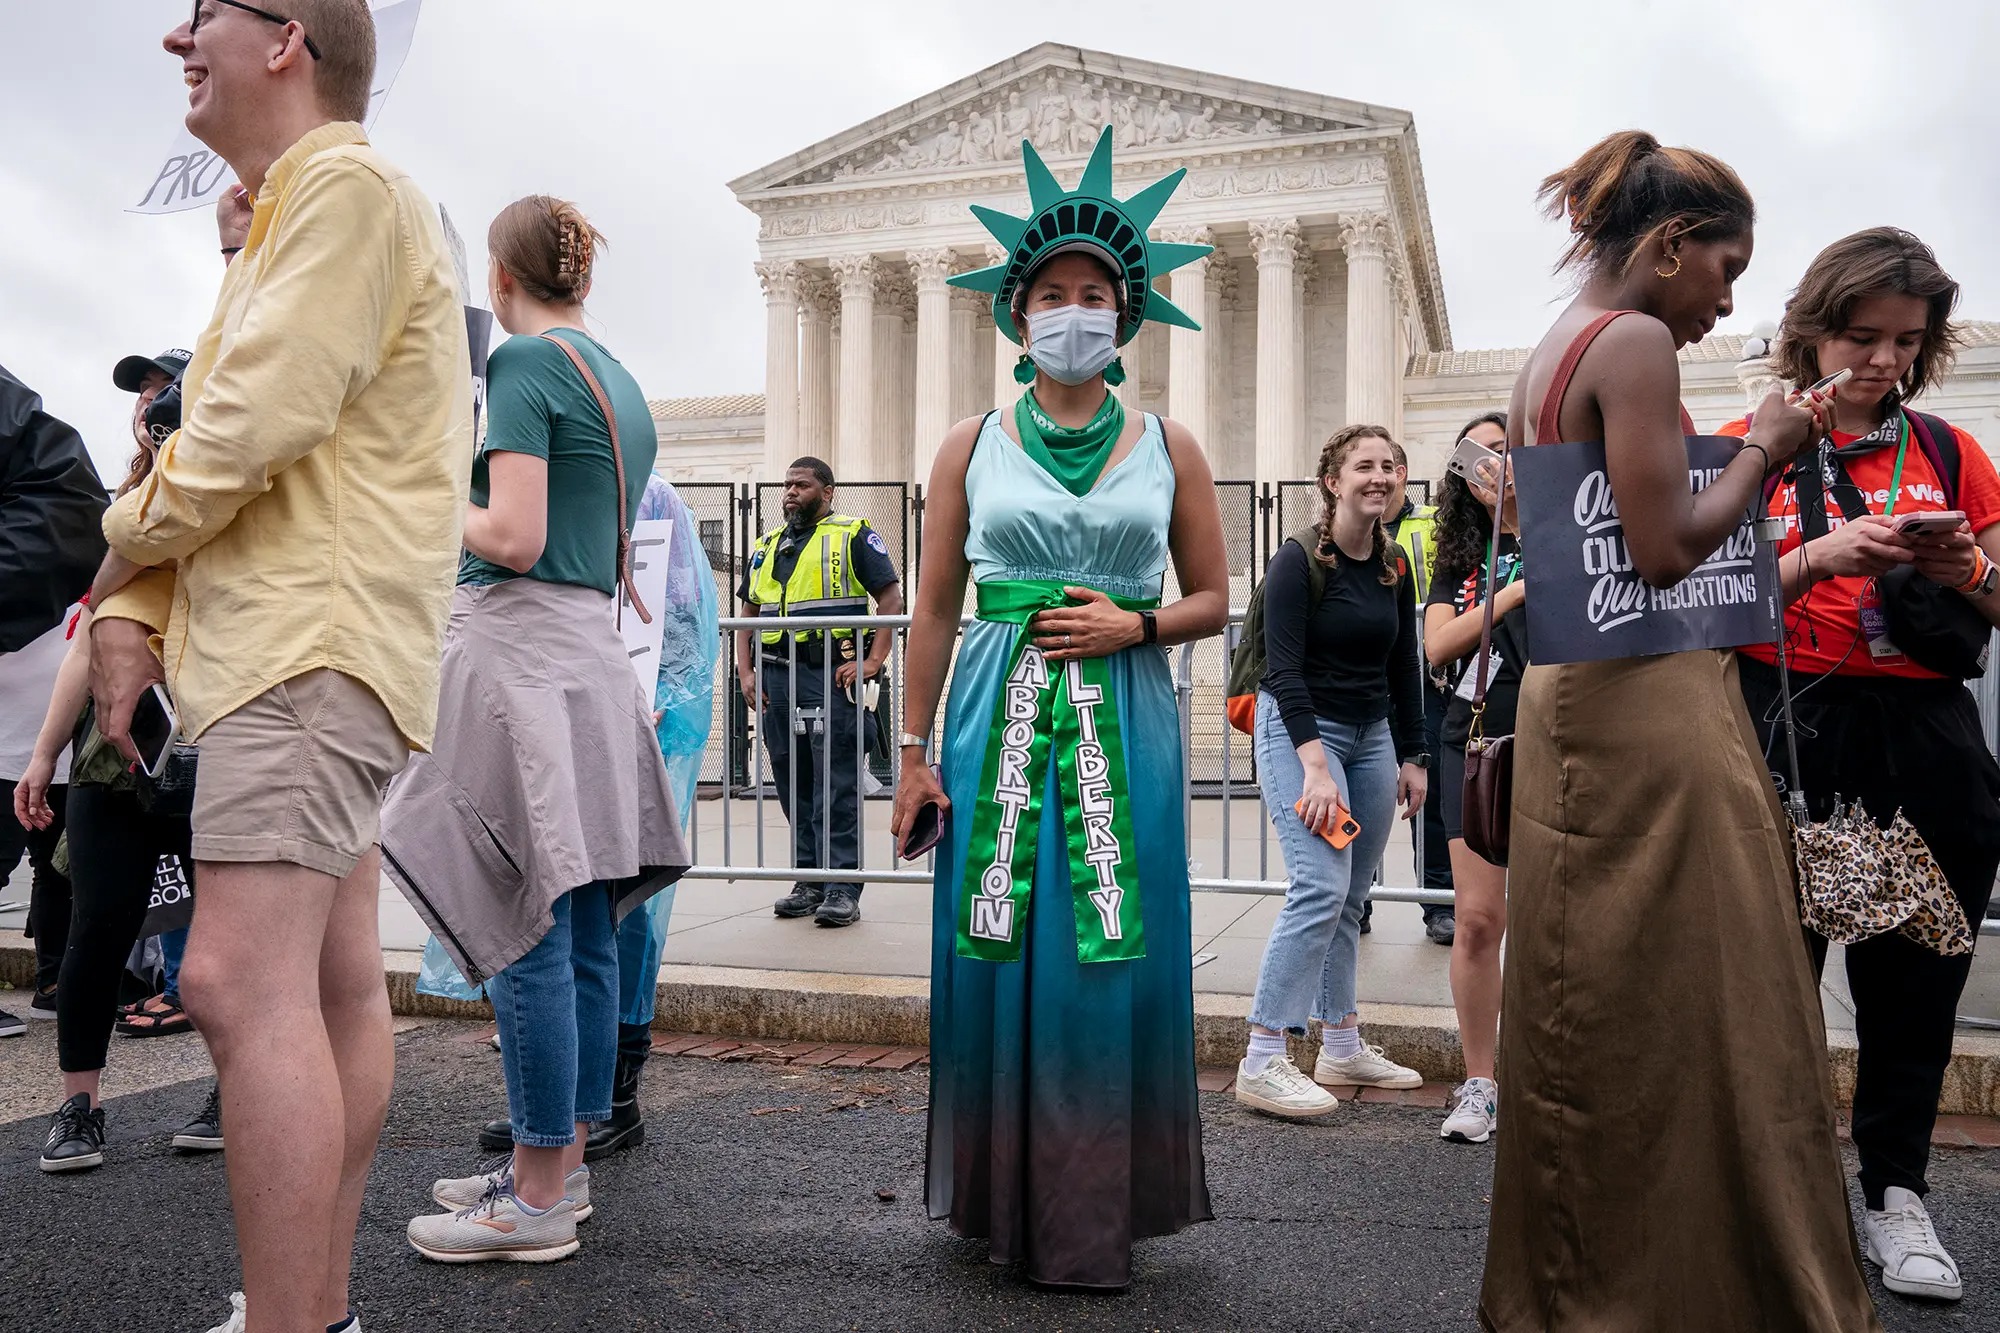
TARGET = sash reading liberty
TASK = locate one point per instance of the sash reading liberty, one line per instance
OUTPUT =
(1069, 715)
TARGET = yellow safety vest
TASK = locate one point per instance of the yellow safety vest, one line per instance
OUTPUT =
(822, 583)
(1418, 537)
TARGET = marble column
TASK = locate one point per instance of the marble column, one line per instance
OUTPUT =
(1374, 381)
(1231, 457)
(888, 451)
(935, 327)
(1275, 243)
(970, 355)
(1305, 286)
(857, 367)
(819, 298)
(780, 280)
(1187, 349)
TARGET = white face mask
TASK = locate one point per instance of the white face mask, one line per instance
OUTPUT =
(1073, 343)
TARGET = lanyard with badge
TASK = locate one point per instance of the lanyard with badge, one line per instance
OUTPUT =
(1874, 614)
(1468, 678)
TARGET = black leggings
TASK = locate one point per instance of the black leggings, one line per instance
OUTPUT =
(48, 899)
(114, 847)
(1917, 746)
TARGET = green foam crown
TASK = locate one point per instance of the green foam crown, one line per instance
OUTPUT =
(1115, 228)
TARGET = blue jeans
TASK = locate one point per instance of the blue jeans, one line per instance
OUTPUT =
(558, 1014)
(173, 946)
(1315, 943)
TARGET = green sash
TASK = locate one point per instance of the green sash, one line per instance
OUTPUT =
(1072, 716)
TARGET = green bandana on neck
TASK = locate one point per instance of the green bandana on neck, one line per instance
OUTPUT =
(1075, 458)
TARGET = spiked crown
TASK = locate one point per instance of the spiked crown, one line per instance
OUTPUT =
(1090, 218)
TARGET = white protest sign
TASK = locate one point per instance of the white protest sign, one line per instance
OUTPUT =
(650, 538)
(191, 175)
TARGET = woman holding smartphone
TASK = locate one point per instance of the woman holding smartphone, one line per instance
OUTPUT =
(1876, 725)
(1340, 742)
(1063, 1124)
(1666, 1147)
(1454, 620)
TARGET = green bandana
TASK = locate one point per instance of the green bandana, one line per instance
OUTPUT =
(1074, 457)
(1071, 716)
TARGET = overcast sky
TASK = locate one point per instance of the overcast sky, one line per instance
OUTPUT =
(1838, 114)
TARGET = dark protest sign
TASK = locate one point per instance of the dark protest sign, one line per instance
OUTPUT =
(172, 903)
(1585, 601)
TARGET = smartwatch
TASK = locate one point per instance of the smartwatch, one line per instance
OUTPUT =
(1421, 759)
(1150, 623)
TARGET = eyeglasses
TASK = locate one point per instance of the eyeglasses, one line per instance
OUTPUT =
(194, 24)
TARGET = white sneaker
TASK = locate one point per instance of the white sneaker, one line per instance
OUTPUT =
(497, 1227)
(1475, 1111)
(465, 1191)
(1902, 1240)
(1282, 1090)
(233, 1324)
(1367, 1067)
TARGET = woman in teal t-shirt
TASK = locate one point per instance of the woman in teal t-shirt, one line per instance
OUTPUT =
(544, 814)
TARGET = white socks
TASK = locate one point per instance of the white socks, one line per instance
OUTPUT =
(1263, 1049)
(1340, 1043)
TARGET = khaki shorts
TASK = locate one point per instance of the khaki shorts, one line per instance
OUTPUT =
(297, 775)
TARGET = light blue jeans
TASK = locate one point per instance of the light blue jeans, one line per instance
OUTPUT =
(557, 1010)
(1309, 963)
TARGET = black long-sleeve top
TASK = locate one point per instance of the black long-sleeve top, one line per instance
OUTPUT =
(1352, 660)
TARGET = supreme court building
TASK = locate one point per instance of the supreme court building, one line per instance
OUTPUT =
(1322, 304)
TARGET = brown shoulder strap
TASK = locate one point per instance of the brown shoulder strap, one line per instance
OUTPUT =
(618, 468)
(1492, 573)
(1547, 429)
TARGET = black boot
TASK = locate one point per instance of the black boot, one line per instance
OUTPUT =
(803, 900)
(624, 1129)
(497, 1136)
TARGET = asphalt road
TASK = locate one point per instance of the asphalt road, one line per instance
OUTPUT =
(754, 1205)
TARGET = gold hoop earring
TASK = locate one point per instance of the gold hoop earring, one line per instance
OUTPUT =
(1670, 273)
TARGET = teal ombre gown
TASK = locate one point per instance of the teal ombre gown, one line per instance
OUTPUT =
(1063, 1123)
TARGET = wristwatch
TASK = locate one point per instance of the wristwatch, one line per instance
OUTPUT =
(907, 741)
(1421, 759)
(1984, 581)
(1150, 623)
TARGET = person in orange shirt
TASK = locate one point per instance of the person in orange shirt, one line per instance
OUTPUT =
(1875, 724)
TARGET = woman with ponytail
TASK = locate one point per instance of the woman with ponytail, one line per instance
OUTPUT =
(1339, 742)
(1666, 1147)
(543, 814)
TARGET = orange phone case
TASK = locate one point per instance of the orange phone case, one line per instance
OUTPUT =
(1344, 830)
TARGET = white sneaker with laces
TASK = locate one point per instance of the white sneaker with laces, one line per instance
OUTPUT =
(235, 1322)
(497, 1227)
(1902, 1240)
(1475, 1110)
(1281, 1090)
(465, 1191)
(1367, 1067)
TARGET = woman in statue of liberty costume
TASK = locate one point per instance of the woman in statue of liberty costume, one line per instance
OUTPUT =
(1063, 1123)
(683, 708)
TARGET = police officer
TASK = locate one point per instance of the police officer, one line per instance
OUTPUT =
(818, 563)
(1410, 526)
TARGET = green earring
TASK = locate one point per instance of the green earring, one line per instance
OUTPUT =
(1024, 369)
(1114, 374)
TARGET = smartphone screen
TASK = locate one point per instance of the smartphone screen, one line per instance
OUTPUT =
(152, 728)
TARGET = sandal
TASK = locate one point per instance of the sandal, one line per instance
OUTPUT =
(161, 1016)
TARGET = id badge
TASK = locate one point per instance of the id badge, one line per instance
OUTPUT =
(1875, 625)
(1468, 683)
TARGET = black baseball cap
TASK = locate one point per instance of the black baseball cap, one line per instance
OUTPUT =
(130, 373)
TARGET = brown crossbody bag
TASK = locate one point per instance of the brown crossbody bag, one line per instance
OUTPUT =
(617, 467)
(1489, 760)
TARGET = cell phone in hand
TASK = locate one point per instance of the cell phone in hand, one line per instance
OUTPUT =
(1476, 463)
(1340, 830)
(1921, 524)
(926, 827)
(154, 723)
(1833, 381)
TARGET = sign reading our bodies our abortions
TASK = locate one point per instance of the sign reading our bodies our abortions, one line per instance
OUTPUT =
(191, 175)
(1586, 603)
(650, 539)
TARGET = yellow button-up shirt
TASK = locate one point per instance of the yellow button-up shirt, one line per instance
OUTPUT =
(315, 494)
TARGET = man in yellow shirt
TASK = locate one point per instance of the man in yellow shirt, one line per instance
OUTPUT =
(311, 508)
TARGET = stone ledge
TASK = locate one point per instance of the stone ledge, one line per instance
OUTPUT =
(828, 1008)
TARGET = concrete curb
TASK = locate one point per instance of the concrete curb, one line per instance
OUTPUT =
(829, 1007)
